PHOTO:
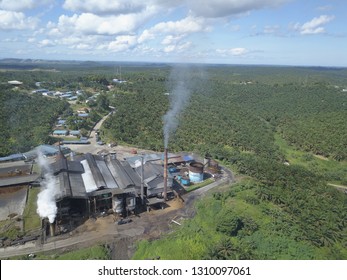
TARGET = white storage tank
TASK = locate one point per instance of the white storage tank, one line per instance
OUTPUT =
(196, 172)
(118, 205)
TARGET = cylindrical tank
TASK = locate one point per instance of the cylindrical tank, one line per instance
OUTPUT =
(131, 203)
(196, 172)
(185, 181)
(172, 169)
(117, 205)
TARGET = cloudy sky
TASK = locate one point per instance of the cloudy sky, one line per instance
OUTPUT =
(283, 32)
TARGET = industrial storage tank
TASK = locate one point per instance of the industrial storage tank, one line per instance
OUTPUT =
(131, 203)
(196, 172)
(172, 169)
(118, 205)
(185, 181)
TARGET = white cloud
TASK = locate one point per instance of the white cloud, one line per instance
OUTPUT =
(46, 43)
(10, 20)
(224, 8)
(204, 8)
(314, 26)
(105, 7)
(82, 46)
(87, 23)
(170, 39)
(21, 5)
(189, 24)
(145, 36)
(233, 52)
(169, 49)
(122, 43)
(176, 29)
(177, 47)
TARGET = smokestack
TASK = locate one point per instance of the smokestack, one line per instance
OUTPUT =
(52, 229)
(142, 182)
(165, 173)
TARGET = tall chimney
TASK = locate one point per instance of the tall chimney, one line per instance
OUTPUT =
(165, 173)
(142, 182)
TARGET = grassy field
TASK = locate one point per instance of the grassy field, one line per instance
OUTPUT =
(199, 185)
(96, 252)
(273, 234)
(32, 220)
(335, 171)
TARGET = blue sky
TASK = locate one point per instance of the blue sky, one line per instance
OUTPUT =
(280, 32)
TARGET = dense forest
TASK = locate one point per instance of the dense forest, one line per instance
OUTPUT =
(26, 121)
(281, 129)
(240, 121)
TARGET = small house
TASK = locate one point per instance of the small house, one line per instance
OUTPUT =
(60, 132)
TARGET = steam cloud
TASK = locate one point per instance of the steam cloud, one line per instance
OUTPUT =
(180, 84)
(46, 206)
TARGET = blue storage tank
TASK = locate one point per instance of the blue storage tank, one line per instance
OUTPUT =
(196, 172)
(172, 169)
(185, 181)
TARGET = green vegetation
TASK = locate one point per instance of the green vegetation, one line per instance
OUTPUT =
(97, 252)
(334, 171)
(26, 121)
(9, 229)
(239, 223)
(283, 127)
(31, 219)
(196, 186)
(247, 126)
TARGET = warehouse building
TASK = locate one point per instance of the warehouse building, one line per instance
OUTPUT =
(89, 185)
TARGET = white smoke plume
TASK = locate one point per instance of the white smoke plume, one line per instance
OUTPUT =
(180, 86)
(46, 206)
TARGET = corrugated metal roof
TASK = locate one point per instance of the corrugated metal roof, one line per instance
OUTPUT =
(60, 131)
(47, 150)
(108, 178)
(18, 180)
(93, 175)
(12, 157)
(75, 167)
(77, 185)
(131, 173)
(99, 180)
(59, 166)
(122, 178)
(64, 185)
(69, 142)
(87, 177)
(155, 186)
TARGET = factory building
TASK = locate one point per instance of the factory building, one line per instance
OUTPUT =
(88, 185)
(91, 184)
